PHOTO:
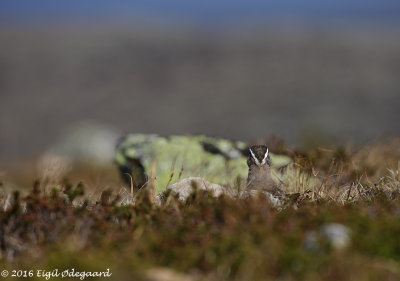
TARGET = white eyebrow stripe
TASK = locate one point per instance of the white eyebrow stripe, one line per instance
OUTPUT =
(265, 157)
(254, 157)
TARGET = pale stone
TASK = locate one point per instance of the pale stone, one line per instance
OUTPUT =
(186, 186)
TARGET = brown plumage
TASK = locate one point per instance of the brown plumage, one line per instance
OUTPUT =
(259, 176)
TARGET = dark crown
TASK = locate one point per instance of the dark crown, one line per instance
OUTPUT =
(258, 155)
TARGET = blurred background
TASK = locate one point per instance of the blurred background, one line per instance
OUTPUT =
(89, 71)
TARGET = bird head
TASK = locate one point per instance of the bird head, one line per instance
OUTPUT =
(259, 156)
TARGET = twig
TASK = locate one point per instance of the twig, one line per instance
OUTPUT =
(348, 193)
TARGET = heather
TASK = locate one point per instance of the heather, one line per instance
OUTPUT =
(84, 218)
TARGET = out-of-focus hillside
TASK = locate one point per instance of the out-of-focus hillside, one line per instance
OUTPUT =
(291, 82)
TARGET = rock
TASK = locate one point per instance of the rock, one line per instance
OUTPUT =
(186, 186)
(337, 234)
(86, 141)
(166, 274)
(220, 160)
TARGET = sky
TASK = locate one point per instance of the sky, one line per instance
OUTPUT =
(200, 12)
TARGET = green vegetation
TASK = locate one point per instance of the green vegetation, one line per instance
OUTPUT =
(207, 238)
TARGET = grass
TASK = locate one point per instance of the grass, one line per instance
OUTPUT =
(61, 223)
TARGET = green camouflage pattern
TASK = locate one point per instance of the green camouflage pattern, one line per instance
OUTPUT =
(178, 157)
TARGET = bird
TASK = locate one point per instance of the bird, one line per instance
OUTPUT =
(259, 178)
(259, 173)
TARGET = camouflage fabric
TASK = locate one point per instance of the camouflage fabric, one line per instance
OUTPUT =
(176, 157)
